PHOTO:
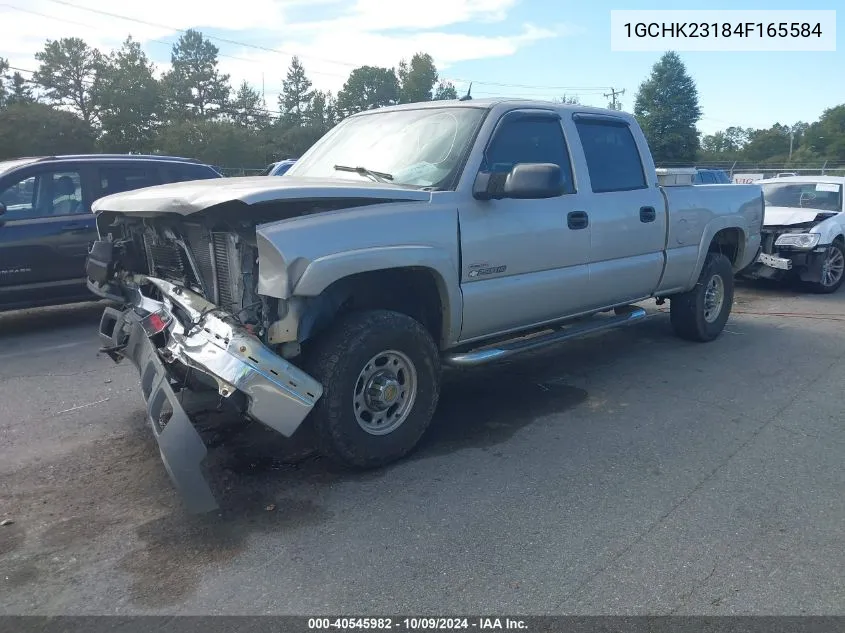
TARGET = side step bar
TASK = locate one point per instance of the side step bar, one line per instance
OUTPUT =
(484, 355)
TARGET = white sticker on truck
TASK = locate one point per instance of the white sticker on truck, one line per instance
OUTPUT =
(827, 186)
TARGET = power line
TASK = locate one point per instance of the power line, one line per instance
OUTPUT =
(311, 57)
(613, 94)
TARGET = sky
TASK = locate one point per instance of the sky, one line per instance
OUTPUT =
(511, 48)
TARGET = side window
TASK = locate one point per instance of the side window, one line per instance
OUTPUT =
(707, 178)
(181, 173)
(530, 141)
(114, 179)
(43, 195)
(613, 159)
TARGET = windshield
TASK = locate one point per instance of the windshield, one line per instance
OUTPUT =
(417, 148)
(826, 196)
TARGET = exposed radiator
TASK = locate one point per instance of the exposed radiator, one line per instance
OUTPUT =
(226, 262)
(217, 260)
(198, 241)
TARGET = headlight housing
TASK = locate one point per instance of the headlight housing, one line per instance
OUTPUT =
(798, 240)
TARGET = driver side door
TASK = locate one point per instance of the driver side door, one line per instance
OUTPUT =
(523, 262)
(44, 234)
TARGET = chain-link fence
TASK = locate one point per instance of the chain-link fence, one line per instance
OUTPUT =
(770, 170)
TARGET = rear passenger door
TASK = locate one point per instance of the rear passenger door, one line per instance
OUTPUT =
(116, 178)
(627, 214)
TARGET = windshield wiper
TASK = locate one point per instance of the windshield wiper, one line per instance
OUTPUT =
(377, 176)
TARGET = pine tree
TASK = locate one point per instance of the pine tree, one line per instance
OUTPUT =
(667, 109)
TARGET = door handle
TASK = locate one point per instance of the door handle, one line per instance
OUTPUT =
(576, 220)
(647, 214)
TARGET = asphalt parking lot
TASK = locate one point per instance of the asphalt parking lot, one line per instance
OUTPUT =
(627, 473)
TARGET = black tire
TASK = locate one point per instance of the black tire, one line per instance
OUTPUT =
(836, 251)
(338, 358)
(688, 310)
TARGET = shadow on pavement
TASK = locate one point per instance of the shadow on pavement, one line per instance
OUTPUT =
(33, 320)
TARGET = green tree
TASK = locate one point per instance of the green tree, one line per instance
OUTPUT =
(667, 109)
(66, 72)
(322, 112)
(417, 79)
(567, 100)
(194, 86)
(368, 87)
(247, 109)
(296, 95)
(826, 137)
(128, 99)
(445, 91)
(214, 142)
(768, 145)
(4, 68)
(19, 90)
(32, 129)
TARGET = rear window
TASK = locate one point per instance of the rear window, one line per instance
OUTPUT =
(115, 179)
(613, 160)
(188, 171)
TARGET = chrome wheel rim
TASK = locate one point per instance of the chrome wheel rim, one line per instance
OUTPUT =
(714, 298)
(384, 392)
(833, 267)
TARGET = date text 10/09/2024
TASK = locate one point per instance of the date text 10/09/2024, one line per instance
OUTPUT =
(722, 29)
(416, 624)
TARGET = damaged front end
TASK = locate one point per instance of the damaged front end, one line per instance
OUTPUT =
(193, 321)
(792, 251)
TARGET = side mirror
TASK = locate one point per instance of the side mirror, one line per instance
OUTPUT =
(526, 181)
(534, 181)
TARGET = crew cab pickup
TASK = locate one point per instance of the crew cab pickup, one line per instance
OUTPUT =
(407, 238)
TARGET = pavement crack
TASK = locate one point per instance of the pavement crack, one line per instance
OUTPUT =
(695, 587)
(50, 375)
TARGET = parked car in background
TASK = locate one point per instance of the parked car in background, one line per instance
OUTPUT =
(692, 176)
(711, 177)
(46, 224)
(803, 231)
(280, 168)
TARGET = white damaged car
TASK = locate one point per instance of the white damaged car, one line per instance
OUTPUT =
(803, 233)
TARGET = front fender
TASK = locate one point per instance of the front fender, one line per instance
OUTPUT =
(302, 278)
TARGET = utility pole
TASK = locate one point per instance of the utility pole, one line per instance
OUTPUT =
(612, 94)
(791, 138)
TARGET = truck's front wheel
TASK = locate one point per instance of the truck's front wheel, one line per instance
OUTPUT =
(701, 313)
(380, 372)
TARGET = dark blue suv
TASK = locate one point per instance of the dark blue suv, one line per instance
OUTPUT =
(46, 222)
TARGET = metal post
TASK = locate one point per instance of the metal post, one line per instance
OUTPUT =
(823, 166)
(732, 170)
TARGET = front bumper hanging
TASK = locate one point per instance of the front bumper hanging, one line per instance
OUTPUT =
(206, 339)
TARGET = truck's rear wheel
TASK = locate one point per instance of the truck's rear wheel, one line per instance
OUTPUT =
(701, 313)
(380, 372)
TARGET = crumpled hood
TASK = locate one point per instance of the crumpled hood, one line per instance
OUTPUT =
(786, 216)
(185, 198)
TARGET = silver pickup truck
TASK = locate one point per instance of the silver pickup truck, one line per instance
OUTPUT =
(409, 237)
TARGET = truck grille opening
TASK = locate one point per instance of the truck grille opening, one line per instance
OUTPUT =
(215, 270)
(223, 257)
